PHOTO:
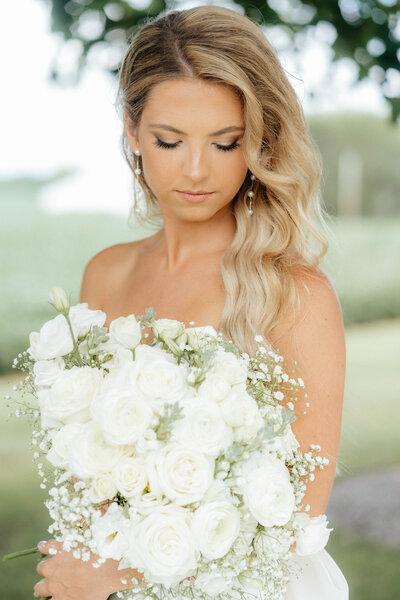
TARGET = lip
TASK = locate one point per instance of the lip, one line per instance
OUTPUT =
(199, 197)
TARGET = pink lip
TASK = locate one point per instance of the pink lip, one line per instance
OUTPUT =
(194, 197)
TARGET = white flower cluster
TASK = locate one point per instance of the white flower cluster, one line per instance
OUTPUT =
(175, 457)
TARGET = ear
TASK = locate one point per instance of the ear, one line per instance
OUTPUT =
(130, 131)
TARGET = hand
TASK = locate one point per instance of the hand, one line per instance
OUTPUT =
(68, 578)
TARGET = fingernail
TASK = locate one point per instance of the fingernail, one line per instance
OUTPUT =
(41, 543)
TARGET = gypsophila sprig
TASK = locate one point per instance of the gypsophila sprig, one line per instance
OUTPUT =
(184, 439)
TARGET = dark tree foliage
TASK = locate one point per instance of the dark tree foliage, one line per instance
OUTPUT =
(367, 31)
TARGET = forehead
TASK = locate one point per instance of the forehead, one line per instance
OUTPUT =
(185, 102)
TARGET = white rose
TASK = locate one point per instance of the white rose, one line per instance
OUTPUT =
(60, 439)
(130, 476)
(313, 537)
(183, 474)
(110, 533)
(158, 378)
(54, 339)
(89, 454)
(168, 328)
(126, 331)
(211, 583)
(147, 503)
(202, 427)
(162, 546)
(83, 318)
(123, 416)
(267, 490)
(102, 488)
(69, 398)
(47, 371)
(214, 387)
(215, 526)
(230, 367)
(240, 411)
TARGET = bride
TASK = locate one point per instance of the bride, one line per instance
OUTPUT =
(218, 142)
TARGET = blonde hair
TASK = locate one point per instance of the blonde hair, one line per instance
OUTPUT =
(269, 249)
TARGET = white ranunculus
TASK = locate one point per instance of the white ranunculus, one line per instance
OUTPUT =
(162, 546)
(215, 527)
(47, 371)
(110, 533)
(70, 397)
(60, 440)
(54, 339)
(126, 331)
(211, 583)
(202, 427)
(313, 537)
(230, 367)
(158, 378)
(214, 387)
(123, 415)
(183, 474)
(240, 411)
(168, 328)
(83, 318)
(267, 490)
(103, 487)
(130, 476)
(89, 454)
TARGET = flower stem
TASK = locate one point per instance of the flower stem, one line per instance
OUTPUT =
(23, 553)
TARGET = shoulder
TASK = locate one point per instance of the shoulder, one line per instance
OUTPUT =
(318, 331)
(106, 268)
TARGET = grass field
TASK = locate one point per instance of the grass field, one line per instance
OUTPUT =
(369, 440)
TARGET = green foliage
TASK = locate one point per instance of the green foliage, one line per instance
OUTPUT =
(171, 413)
(354, 25)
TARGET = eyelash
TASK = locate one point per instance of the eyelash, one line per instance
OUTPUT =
(162, 144)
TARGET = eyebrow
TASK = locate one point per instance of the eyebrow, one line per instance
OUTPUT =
(219, 132)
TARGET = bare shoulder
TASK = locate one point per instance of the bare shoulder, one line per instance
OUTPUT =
(320, 318)
(105, 269)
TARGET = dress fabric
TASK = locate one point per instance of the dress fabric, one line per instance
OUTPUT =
(319, 576)
(319, 579)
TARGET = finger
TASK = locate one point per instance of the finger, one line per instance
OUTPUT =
(49, 547)
(42, 568)
(41, 590)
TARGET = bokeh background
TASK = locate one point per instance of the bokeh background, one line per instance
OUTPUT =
(66, 192)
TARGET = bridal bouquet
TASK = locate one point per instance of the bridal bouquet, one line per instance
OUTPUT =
(173, 456)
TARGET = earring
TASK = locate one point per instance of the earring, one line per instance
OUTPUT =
(250, 194)
(138, 192)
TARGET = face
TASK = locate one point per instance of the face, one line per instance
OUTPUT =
(197, 157)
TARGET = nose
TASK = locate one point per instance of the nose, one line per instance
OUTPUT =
(196, 164)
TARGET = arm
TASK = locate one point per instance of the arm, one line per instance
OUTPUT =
(317, 343)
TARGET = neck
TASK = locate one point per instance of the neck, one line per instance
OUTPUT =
(179, 241)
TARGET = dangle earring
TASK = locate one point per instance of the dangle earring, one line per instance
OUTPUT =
(250, 194)
(138, 192)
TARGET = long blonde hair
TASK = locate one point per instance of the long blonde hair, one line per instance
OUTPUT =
(270, 248)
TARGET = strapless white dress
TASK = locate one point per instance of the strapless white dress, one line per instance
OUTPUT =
(320, 577)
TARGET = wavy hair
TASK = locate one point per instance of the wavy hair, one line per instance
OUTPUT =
(270, 248)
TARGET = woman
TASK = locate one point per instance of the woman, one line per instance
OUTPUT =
(208, 110)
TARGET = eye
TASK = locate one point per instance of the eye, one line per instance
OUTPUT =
(162, 144)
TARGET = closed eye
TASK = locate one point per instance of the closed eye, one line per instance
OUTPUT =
(162, 144)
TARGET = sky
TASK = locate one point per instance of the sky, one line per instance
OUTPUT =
(45, 128)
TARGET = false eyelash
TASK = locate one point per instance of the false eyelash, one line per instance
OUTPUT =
(162, 144)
